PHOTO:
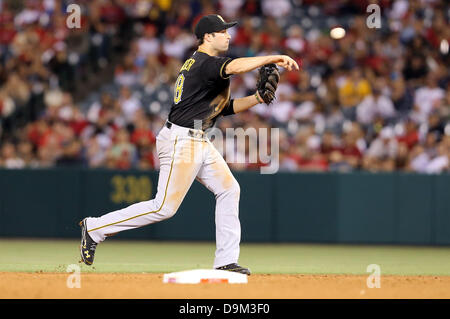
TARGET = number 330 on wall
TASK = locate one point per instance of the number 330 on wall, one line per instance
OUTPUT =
(130, 189)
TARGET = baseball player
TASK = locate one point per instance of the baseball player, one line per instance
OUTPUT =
(201, 95)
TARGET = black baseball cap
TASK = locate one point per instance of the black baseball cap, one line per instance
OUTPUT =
(211, 23)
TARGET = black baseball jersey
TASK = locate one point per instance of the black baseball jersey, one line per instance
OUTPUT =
(202, 91)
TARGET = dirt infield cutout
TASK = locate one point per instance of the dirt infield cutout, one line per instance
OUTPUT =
(150, 286)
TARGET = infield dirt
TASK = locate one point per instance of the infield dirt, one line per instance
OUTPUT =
(150, 286)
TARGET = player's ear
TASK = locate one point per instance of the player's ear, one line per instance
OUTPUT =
(209, 36)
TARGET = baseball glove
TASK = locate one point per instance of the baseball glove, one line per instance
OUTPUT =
(267, 82)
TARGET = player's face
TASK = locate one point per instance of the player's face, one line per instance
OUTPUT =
(221, 40)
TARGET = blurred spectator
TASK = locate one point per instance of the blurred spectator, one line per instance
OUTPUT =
(245, 33)
(17, 89)
(127, 73)
(427, 99)
(415, 68)
(7, 104)
(9, 156)
(430, 144)
(176, 42)
(95, 153)
(375, 105)
(337, 162)
(384, 146)
(129, 104)
(353, 90)
(440, 162)
(352, 154)
(276, 8)
(142, 135)
(329, 143)
(418, 159)
(410, 136)
(252, 8)
(148, 44)
(283, 106)
(376, 100)
(393, 48)
(436, 125)
(26, 152)
(313, 161)
(402, 97)
(295, 40)
(122, 154)
(71, 154)
(230, 8)
(99, 108)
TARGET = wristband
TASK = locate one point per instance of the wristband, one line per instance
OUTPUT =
(257, 98)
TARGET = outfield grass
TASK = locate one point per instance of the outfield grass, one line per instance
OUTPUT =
(115, 255)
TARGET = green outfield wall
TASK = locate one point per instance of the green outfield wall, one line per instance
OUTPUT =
(396, 208)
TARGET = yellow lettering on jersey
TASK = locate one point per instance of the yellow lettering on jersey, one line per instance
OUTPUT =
(187, 65)
(178, 89)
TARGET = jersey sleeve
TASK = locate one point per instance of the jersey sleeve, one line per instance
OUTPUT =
(228, 109)
(214, 68)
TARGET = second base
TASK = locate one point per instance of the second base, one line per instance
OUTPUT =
(199, 276)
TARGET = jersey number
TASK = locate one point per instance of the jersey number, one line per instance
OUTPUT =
(178, 89)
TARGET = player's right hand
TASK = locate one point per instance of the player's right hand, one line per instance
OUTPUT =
(286, 62)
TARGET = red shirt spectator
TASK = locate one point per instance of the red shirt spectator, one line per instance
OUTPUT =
(316, 162)
(244, 34)
(143, 136)
(148, 157)
(7, 33)
(351, 150)
(37, 132)
(78, 125)
(112, 13)
(411, 136)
